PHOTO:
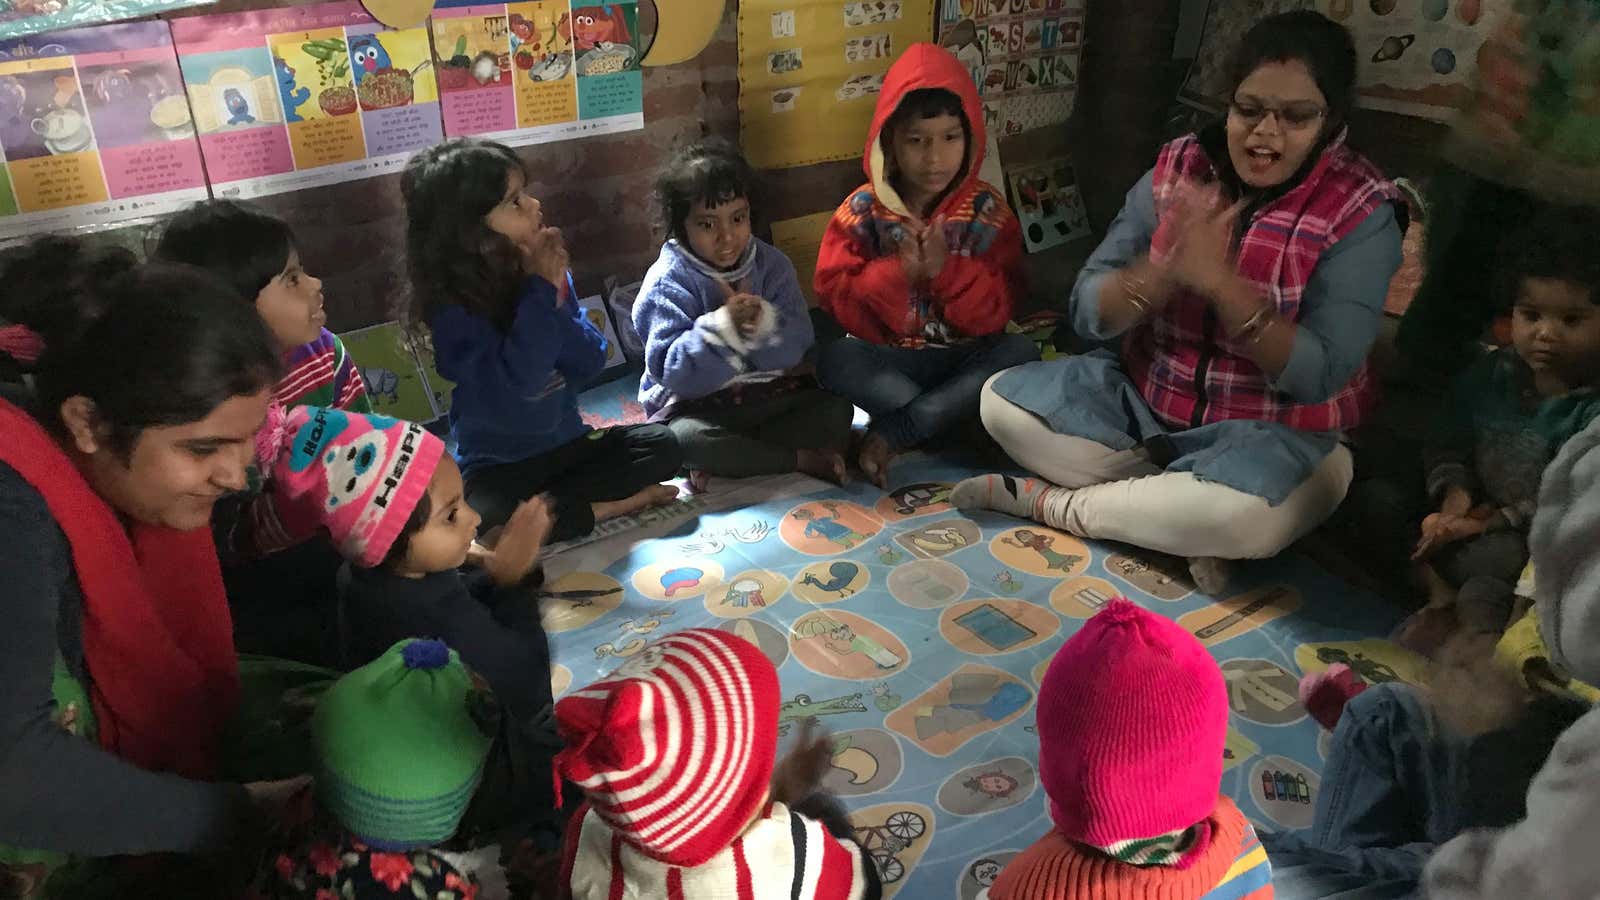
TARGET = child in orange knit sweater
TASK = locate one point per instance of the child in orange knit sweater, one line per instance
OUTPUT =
(1132, 718)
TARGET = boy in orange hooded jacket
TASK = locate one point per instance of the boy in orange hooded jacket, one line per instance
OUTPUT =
(921, 265)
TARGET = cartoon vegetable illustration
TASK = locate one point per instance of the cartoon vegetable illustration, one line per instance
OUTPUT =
(332, 58)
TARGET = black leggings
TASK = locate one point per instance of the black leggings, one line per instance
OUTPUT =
(607, 464)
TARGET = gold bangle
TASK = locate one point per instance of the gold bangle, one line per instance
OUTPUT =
(1255, 325)
(1133, 292)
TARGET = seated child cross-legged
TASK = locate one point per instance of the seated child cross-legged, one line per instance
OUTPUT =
(391, 500)
(491, 284)
(1132, 720)
(400, 745)
(674, 751)
(921, 265)
(1507, 417)
(726, 329)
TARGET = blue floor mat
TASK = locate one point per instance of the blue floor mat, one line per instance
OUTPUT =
(917, 635)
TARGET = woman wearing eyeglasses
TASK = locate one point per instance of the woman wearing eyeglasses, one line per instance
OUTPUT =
(1245, 279)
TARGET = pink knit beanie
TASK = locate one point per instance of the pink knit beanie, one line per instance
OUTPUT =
(675, 748)
(358, 475)
(1132, 720)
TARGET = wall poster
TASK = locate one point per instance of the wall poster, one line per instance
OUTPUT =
(301, 97)
(94, 129)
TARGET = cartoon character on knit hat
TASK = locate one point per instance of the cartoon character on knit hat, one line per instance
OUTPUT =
(400, 745)
(675, 753)
(359, 476)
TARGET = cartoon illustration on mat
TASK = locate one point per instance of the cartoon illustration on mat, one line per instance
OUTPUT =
(678, 578)
(1082, 597)
(862, 762)
(1371, 671)
(710, 544)
(1262, 691)
(1230, 618)
(884, 842)
(973, 700)
(987, 627)
(889, 556)
(942, 538)
(840, 575)
(927, 583)
(844, 645)
(802, 707)
(1006, 581)
(884, 699)
(1043, 545)
(828, 527)
(772, 642)
(1161, 576)
(744, 592)
(915, 500)
(1285, 791)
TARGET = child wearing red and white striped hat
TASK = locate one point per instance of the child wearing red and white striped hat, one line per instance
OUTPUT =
(675, 751)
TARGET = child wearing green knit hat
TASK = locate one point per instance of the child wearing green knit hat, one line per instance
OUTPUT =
(400, 745)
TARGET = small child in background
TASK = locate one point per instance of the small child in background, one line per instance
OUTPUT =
(725, 327)
(675, 752)
(256, 253)
(1132, 721)
(922, 265)
(400, 746)
(1506, 418)
(491, 284)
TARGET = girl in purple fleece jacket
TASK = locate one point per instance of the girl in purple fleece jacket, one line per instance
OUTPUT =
(726, 331)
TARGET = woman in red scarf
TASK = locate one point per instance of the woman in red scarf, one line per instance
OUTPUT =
(117, 654)
(1245, 279)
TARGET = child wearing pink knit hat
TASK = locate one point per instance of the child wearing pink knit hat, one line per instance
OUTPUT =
(391, 501)
(1132, 720)
(674, 752)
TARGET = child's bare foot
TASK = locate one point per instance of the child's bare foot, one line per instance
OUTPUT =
(825, 464)
(873, 459)
(654, 495)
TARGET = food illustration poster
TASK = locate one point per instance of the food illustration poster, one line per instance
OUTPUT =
(528, 73)
(1417, 58)
(605, 37)
(810, 73)
(1048, 205)
(94, 128)
(1023, 55)
(286, 99)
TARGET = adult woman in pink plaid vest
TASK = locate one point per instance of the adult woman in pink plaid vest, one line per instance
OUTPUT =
(1245, 279)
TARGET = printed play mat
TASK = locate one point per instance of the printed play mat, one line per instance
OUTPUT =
(917, 635)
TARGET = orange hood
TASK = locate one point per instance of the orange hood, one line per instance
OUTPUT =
(924, 66)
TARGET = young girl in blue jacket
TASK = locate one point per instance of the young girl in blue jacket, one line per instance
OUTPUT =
(490, 281)
(726, 334)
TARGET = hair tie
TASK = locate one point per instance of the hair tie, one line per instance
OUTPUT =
(21, 343)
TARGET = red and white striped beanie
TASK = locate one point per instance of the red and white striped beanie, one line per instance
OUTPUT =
(675, 748)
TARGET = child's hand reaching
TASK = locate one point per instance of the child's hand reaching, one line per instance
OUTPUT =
(546, 257)
(1442, 529)
(520, 542)
(799, 773)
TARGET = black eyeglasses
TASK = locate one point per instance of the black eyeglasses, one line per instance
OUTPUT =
(1292, 115)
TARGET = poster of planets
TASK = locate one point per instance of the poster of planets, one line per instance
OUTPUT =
(917, 635)
(1416, 57)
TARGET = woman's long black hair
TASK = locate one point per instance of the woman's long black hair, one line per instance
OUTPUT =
(451, 255)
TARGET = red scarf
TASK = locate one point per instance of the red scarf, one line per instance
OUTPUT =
(157, 635)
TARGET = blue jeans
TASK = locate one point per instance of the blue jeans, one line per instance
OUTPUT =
(913, 395)
(1392, 791)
